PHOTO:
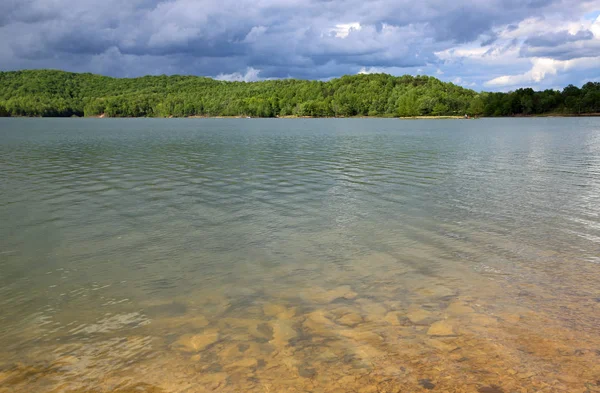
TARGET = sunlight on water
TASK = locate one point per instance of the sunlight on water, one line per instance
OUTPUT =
(357, 255)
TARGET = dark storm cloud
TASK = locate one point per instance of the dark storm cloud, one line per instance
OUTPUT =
(564, 52)
(25, 11)
(462, 26)
(558, 38)
(281, 38)
(561, 45)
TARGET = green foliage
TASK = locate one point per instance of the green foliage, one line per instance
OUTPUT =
(572, 100)
(407, 104)
(477, 105)
(57, 93)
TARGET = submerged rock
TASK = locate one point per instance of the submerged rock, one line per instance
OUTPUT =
(350, 319)
(232, 351)
(442, 345)
(437, 291)
(426, 383)
(279, 311)
(196, 342)
(510, 318)
(318, 323)
(373, 311)
(459, 308)
(441, 328)
(417, 315)
(360, 336)
(393, 318)
(368, 352)
(283, 332)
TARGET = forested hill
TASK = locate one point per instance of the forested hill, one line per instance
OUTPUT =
(58, 93)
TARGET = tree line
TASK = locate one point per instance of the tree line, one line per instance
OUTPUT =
(49, 93)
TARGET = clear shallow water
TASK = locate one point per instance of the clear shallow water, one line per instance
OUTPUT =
(299, 255)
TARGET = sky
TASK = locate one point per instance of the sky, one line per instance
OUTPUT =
(492, 45)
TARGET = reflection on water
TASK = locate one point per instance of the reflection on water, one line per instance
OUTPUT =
(299, 255)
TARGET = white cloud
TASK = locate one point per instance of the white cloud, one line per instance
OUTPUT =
(595, 27)
(371, 70)
(469, 51)
(541, 69)
(344, 29)
(251, 75)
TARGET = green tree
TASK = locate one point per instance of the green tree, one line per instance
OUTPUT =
(407, 104)
(477, 105)
(3, 111)
(440, 109)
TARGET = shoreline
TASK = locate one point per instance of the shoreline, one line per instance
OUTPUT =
(549, 115)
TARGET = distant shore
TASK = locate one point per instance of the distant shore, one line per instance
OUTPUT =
(446, 117)
(55, 93)
(324, 117)
(597, 114)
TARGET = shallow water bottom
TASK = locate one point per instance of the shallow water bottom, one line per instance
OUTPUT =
(380, 326)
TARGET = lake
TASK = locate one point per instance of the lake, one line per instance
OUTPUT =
(321, 255)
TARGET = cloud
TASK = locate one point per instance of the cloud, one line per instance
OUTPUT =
(539, 52)
(558, 38)
(562, 45)
(460, 81)
(565, 51)
(251, 75)
(541, 69)
(343, 29)
(477, 41)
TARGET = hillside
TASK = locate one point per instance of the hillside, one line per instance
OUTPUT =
(58, 93)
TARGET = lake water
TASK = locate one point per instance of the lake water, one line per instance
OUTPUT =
(295, 255)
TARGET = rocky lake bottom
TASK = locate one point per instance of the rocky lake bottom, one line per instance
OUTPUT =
(391, 329)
